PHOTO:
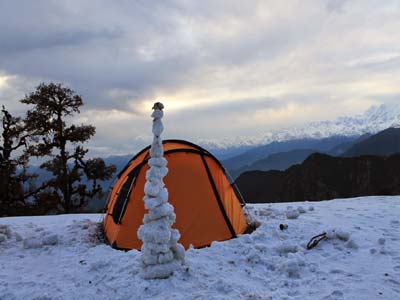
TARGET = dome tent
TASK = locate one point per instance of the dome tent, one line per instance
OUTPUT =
(208, 206)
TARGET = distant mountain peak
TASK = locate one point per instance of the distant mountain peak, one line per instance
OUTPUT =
(373, 120)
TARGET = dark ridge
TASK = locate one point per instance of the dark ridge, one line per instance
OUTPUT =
(323, 177)
(386, 142)
(261, 152)
(276, 161)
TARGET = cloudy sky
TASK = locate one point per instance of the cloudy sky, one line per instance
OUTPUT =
(223, 69)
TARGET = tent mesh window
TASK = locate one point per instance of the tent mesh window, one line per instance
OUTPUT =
(123, 196)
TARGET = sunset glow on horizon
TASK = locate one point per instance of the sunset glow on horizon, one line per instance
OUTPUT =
(223, 70)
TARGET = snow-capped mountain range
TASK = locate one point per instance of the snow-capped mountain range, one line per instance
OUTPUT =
(375, 119)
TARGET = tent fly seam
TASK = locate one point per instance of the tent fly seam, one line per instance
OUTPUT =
(218, 197)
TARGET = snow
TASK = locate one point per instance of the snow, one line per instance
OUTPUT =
(301, 210)
(342, 235)
(359, 260)
(375, 119)
(292, 214)
(161, 253)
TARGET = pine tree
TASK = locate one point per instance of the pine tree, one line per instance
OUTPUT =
(54, 105)
(12, 139)
(161, 254)
(16, 184)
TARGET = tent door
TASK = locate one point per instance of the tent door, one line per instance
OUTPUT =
(123, 196)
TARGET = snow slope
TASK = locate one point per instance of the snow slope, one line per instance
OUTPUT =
(268, 264)
(375, 119)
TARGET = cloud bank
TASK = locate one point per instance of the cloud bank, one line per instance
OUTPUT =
(223, 68)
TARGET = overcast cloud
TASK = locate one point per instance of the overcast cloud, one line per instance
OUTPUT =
(223, 68)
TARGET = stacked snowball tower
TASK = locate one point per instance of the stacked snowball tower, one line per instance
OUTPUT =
(161, 253)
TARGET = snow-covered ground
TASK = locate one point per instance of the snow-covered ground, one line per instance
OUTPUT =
(60, 257)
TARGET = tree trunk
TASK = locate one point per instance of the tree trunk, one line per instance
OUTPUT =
(6, 168)
(65, 185)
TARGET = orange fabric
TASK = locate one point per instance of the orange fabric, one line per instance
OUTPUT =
(199, 217)
(231, 203)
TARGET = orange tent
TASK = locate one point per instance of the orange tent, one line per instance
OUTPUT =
(208, 206)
